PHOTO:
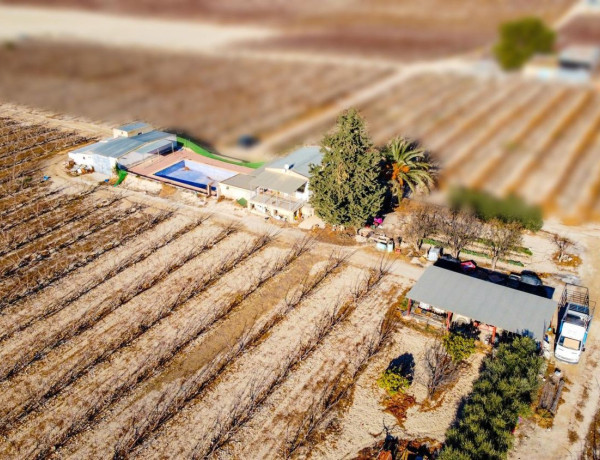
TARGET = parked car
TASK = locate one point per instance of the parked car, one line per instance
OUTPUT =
(531, 278)
(449, 258)
(513, 281)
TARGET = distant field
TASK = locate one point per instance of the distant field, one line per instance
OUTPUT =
(209, 98)
(387, 28)
(581, 29)
(508, 135)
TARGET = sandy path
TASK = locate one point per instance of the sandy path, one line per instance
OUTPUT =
(166, 391)
(76, 403)
(31, 342)
(255, 373)
(120, 30)
(273, 428)
(536, 442)
(66, 361)
(67, 289)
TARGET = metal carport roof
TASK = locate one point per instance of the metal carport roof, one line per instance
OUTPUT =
(507, 308)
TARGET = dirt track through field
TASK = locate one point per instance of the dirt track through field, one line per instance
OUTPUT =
(221, 405)
(300, 402)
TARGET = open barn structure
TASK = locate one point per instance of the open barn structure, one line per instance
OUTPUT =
(464, 298)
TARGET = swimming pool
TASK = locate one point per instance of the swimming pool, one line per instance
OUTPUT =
(195, 174)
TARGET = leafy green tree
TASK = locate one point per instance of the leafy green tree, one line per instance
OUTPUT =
(521, 39)
(505, 389)
(346, 186)
(408, 167)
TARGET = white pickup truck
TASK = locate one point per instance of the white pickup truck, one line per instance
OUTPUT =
(574, 325)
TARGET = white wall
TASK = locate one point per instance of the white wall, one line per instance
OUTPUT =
(103, 165)
(234, 193)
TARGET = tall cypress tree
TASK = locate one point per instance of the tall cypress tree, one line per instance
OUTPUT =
(346, 186)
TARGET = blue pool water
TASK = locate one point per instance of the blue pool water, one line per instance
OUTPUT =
(195, 174)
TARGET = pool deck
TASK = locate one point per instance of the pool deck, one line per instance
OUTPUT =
(150, 167)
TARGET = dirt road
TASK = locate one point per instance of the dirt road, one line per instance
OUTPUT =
(583, 395)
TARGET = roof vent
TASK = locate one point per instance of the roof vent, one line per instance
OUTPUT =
(286, 167)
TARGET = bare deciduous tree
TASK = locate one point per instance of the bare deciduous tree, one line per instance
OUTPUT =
(502, 237)
(440, 369)
(459, 228)
(422, 223)
(563, 244)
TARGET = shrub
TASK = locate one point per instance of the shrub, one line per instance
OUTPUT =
(521, 39)
(458, 346)
(393, 382)
(487, 207)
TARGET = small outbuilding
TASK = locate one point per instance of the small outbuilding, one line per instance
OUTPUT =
(132, 129)
(125, 149)
(461, 297)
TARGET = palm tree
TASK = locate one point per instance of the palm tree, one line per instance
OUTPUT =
(408, 166)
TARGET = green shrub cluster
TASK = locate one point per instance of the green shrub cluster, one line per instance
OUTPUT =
(393, 382)
(458, 346)
(488, 207)
(504, 390)
(521, 39)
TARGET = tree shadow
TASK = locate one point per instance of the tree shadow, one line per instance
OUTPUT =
(463, 401)
(204, 143)
(468, 330)
(405, 363)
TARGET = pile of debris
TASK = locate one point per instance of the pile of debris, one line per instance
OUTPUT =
(74, 169)
(551, 391)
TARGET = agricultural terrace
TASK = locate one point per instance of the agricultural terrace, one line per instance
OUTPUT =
(127, 319)
(213, 99)
(504, 135)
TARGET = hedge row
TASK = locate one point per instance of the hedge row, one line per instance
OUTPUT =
(504, 390)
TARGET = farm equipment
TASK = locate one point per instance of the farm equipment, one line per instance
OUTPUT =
(575, 323)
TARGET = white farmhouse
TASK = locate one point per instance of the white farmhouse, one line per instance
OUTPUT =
(279, 188)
